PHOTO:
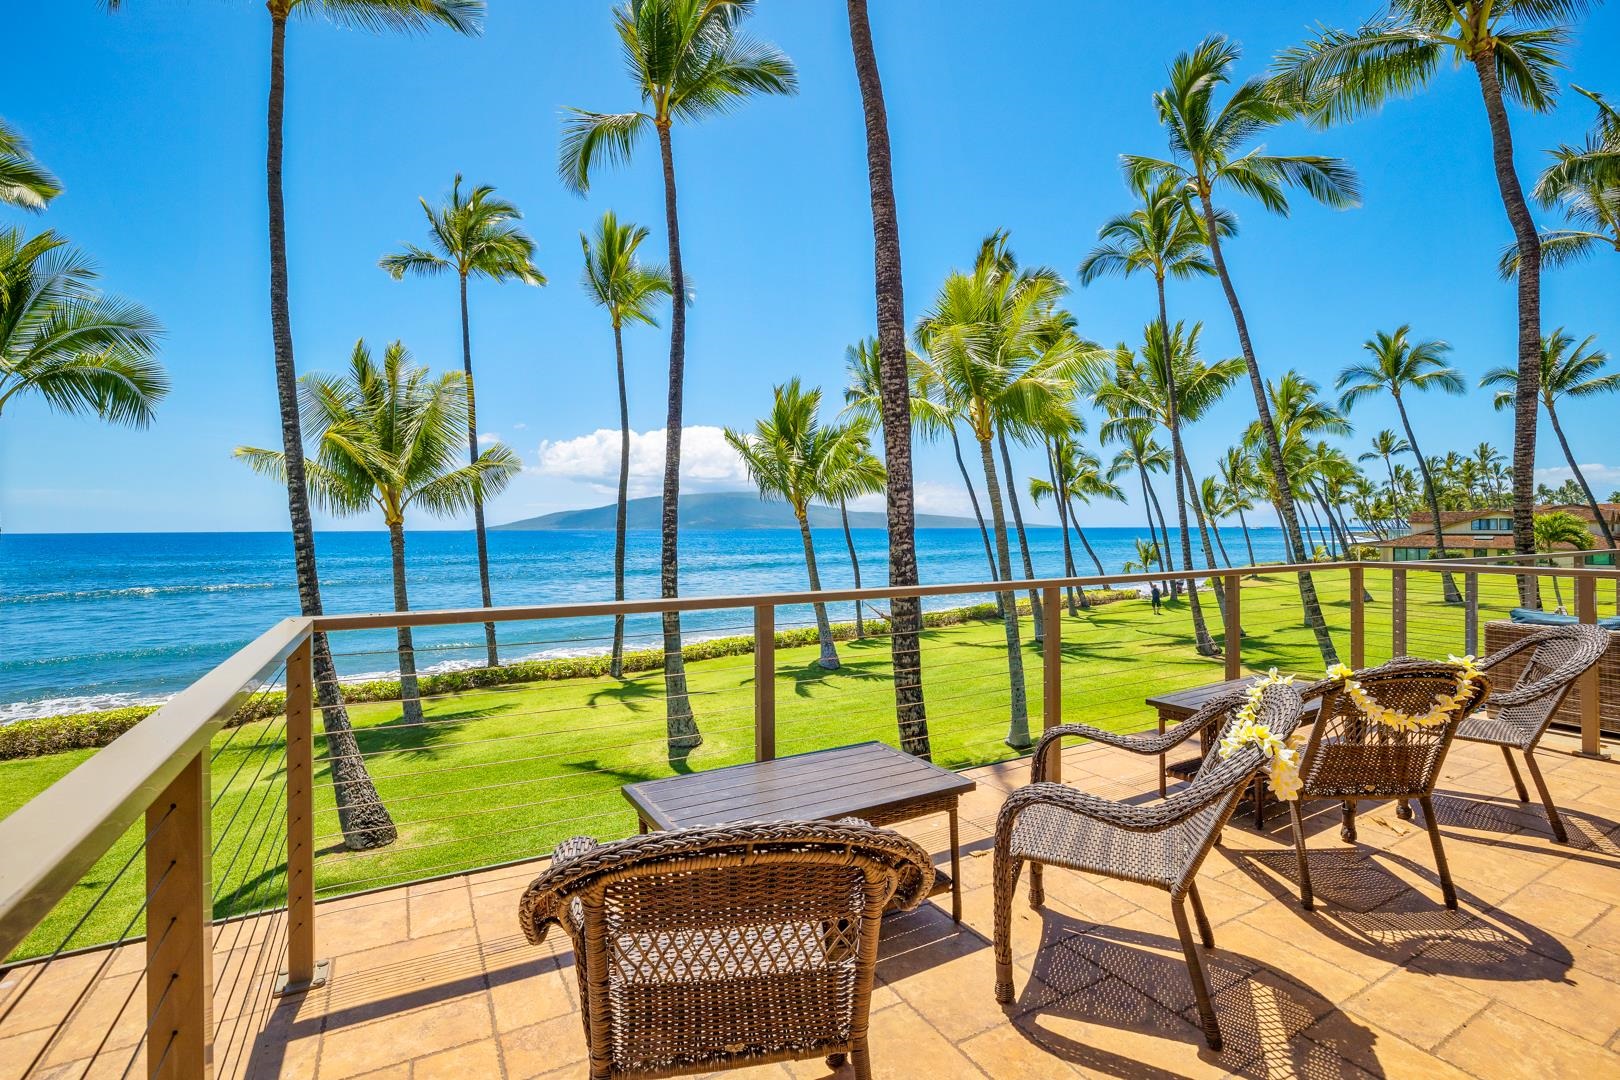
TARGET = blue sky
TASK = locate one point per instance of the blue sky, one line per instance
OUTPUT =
(154, 119)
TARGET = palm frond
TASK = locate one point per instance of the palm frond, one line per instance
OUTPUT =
(593, 139)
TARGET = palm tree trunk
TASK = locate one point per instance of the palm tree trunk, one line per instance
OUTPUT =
(905, 612)
(1527, 392)
(1449, 586)
(361, 815)
(1247, 542)
(1279, 468)
(1063, 523)
(1151, 499)
(1023, 538)
(621, 517)
(680, 725)
(1220, 545)
(472, 459)
(1204, 644)
(855, 567)
(978, 515)
(1196, 499)
(1074, 519)
(1018, 722)
(1580, 478)
(829, 654)
(410, 696)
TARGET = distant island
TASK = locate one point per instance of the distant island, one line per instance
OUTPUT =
(724, 510)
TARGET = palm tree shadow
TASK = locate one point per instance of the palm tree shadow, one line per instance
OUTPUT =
(633, 694)
(849, 673)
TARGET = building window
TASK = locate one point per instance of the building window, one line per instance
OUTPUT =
(1491, 525)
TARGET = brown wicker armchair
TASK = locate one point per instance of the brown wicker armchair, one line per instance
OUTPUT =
(1350, 758)
(1559, 655)
(1160, 843)
(709, 948)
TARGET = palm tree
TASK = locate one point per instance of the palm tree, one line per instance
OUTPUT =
(472, 237)
(1514, 48)
(791, 456)
(386, 438)
(1212, 496)
(689, 60)
(934, 414)
(1237, 469)
(1170, 385)
(1207, 148)
(1568, 370)
(1144, 455)
(1399, 364)
(987, 337)
(1385, 445)
(855, 472)
(1146, 554)
(1584, 182)
(364, 821)
(63, 341)
(24, 182)
(905, 613)
(1561, 529)
(1595, 164)
(627, 289)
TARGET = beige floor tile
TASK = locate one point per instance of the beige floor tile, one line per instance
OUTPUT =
(401, 1036)
(542, 1048)
(1421, 1009)
(439, 911)
(474, 1061)
(1503, 1043)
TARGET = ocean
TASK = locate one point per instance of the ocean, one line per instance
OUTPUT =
(100, 620)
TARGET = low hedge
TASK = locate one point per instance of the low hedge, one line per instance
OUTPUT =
(78, 731)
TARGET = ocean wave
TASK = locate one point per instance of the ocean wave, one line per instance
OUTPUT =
(71, 596)
(61, 706)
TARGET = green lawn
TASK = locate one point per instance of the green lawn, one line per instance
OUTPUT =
(503, 774)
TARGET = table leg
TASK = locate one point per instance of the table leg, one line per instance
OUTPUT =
(641, 823)
(956, 870)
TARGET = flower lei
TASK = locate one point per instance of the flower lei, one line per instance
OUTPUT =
(1444, 704)
(1282, 758)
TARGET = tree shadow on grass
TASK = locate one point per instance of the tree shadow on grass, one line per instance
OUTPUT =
(633, 694)
(807, 677)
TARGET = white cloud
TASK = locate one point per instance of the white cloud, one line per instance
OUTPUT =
(520, 427)
(489, 438)
(1603, 478)
(936, 498)
(708, 463)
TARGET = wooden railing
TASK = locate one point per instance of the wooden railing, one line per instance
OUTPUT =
(158, 772)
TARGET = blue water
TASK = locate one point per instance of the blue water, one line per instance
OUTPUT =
(98, 620)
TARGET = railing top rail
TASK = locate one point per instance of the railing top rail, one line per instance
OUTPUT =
(51, 841)
(383, 620)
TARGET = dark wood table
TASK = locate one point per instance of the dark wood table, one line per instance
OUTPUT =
(871, 781)
(1178, 705)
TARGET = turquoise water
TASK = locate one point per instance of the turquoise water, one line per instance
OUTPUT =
(98, 620)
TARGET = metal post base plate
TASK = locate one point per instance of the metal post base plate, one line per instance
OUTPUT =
(323, 972)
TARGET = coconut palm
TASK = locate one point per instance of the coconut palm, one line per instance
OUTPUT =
(1584, 182)
(1385, 445)
(476, 236)
(386, 437)
(1146, 554)
(987, 337)
(1142, 454)
(1212, 496)
(1060, 425)
(853, 473)
(1207, 145)
(689, 60)
(24, 182)
(360, 814)
(628, 289)
(790, 455)
(1240, 482)
(1142, 388)
(1514, 48)
(1561, 529)
(1079, 479)
(1568, 370)
(63, 341)
(905, 612)
(1400, 365)
(933, 414)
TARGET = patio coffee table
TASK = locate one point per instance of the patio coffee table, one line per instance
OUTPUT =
(871, 781)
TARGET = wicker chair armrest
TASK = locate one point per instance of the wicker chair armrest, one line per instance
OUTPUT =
(1142, 742)
(1588, 650)
(541, 906)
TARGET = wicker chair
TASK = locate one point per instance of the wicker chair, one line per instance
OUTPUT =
(1519, 717)
(710, 948)
(1350, 758)
(1161, 843)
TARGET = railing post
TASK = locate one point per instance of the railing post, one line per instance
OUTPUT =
(1471, 614)
(1052, 670)
(303, 972)
(764, 682)
(1232, 644)
(179, 928)
(1397, 612)
(1591, 705)
(1358, 617)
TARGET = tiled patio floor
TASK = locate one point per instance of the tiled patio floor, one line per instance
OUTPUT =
(436, 979)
